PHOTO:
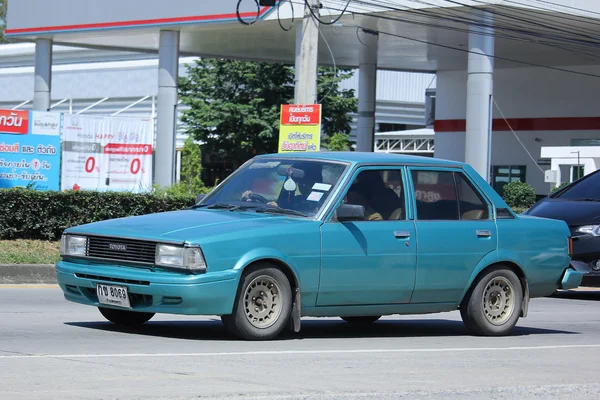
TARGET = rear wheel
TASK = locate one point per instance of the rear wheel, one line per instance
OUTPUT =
(263, 304)
(125, 317)
(493, 306)
(362, 320)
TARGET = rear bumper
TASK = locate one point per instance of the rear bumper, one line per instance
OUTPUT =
(151, 291)
(571, 279)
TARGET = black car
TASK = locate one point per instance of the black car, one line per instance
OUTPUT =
(578, 204)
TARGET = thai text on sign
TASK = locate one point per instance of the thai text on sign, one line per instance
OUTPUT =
(300, 128)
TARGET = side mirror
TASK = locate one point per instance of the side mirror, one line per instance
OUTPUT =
(350, 212)
(199, 198)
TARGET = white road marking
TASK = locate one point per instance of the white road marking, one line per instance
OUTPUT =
(301, 352)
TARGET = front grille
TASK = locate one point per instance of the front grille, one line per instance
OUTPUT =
(126, 250)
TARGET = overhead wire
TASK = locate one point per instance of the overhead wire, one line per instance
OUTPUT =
(279, 18)
(380, 3)
(478, 23)
(239, 15)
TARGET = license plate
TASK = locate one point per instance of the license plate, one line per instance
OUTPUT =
(113, 295)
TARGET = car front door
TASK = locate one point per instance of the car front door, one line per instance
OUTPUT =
(372, 261)
(455, 231)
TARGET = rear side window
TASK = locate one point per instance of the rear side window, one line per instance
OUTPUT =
(587, 188)
(447, 195)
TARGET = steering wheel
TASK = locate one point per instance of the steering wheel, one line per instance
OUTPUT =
(258, 198)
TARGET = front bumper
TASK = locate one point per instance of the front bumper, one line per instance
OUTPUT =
(152, 291)
(591, 278)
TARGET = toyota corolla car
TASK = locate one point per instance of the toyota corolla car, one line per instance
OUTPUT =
(350, 235)
(578, 204)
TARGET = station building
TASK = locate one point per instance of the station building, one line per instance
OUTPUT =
(515, 88)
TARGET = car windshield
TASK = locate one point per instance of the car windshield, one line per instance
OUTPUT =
(588, 189)
(278, 186)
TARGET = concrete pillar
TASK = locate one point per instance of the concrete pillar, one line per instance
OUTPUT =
(299, 32)
(42, 84)
(308, 58)
(480, 88)
(367, 91)
(166, 121)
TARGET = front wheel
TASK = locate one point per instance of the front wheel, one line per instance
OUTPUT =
(493, 306)
(125, 317)
(263, 304)
(362, 320)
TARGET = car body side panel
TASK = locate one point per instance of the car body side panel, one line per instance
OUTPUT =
(539, 247)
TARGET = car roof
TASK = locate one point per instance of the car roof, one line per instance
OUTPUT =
(357, 157)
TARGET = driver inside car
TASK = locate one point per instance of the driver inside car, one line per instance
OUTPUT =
(289, 199)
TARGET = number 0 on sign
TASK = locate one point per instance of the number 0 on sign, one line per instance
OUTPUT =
(113, 295)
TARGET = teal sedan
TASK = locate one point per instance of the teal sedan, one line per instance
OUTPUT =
(350, 235)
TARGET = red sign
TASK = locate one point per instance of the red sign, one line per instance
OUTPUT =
(115, 148)
(294, 114)
(14, 121)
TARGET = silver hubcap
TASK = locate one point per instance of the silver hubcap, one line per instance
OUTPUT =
(262, 302)
(498, 300)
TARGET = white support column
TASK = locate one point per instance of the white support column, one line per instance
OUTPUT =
(42, 84)
(480, 89)
(367, 91)
(168, 71)
(299, 33)
(308, 63)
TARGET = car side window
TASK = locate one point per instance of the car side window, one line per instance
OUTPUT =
(472, 206)
(435, 195)
(447, 195)
(380, 192)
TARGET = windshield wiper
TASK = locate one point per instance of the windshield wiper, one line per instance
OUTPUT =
(284, 211)
(587, 199)
(220, 206)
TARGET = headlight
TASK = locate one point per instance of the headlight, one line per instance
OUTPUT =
(73, 245)
(593, 230)
(190, 258)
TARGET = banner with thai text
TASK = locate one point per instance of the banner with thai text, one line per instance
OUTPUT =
(30, 149)
(107, 153)
(299, 128)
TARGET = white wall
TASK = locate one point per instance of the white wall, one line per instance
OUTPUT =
(521, 93)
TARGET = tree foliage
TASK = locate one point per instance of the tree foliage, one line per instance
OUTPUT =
(235, 105)
(3, 8)
(191, 166)
(339, 142)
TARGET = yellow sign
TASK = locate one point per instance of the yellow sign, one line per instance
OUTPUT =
(299, 128)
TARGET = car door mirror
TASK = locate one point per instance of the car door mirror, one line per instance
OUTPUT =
(350, 212)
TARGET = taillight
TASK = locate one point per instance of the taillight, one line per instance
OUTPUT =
(570, 246)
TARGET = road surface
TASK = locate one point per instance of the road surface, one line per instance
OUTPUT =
(52, 349)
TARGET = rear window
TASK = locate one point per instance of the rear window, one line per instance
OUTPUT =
(587, 188)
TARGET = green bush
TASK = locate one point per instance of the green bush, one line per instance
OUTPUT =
(562, 185)
(30, 214)
(519, 195)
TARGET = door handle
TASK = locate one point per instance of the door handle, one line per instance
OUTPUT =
(484, 233)
(402, 234)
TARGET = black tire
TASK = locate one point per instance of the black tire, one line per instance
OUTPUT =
(493, 284)
(271, 323)
(125, 317)
(366, 320)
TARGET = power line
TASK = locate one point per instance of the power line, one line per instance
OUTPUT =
(478, 23)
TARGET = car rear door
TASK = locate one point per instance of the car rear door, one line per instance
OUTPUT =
(455, 230)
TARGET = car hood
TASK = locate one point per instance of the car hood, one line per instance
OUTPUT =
(574, 213)
(185, 225)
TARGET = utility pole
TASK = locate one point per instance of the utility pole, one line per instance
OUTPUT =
(309, 48)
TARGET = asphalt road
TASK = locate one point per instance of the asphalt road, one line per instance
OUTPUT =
(52, 349)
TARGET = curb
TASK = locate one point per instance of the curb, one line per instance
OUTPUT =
(27, 273)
